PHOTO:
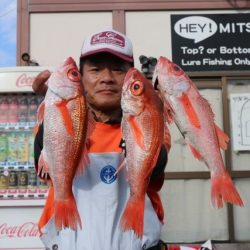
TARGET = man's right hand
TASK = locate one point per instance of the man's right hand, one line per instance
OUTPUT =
(39, 84)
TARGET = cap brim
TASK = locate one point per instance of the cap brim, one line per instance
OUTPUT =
(106, 50)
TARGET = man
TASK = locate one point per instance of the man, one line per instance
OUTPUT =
(101, 196)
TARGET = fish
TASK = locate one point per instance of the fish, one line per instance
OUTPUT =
(65, 117)
(143, 130)
(195, 119)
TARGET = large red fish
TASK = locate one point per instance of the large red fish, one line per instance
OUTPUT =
(143, 130)
(64, 115)
(195, 119)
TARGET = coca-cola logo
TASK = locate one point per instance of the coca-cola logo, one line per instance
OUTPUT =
(27, 229)
(24, 80)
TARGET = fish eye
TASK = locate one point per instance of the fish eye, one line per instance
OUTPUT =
(74, 75)
(177, 70)
(136, 88)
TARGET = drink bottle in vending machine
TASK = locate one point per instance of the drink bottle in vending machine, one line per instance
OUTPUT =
(3, 148)
(13, 108)
(4, 106)
(18, 176)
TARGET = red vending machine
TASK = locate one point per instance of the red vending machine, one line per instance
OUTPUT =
(22, 193)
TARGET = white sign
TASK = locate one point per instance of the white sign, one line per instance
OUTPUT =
(18, 79)
(240, 120)
(18, 228)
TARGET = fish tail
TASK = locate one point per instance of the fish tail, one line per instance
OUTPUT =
(223, 189)
(66, 214)
(133, 216)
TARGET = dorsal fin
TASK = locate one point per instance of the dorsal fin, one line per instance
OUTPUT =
(222, 137)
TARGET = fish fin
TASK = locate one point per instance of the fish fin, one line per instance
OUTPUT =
(48, 210)
(40, 112)
(196, 153)
(168, 113)
(66, 117)
(133, 216)
(190, 111)
(35, 129)
(66, 214)
(43, 167)
(167, 138)
(154, 186)
(223, 189)
(84, 161)
(138, 135)
(222, 137)
(40, 117)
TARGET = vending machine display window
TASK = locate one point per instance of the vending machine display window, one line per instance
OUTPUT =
(18, 178)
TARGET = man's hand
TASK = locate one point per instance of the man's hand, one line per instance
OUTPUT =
(39, 85)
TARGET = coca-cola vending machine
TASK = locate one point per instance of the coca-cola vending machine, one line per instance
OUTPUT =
(22, 193)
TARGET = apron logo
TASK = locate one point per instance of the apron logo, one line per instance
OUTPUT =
(107, 174)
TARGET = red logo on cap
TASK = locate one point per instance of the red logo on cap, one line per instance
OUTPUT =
(108, 37)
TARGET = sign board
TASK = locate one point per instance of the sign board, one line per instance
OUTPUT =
(240, 120)
(18, 228)
(214, 42)
(18, 79)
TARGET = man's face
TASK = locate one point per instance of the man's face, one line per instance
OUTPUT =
(103, 77)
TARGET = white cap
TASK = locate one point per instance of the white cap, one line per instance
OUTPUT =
(110, 41)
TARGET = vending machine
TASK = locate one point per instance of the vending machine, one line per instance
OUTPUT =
(22, 193)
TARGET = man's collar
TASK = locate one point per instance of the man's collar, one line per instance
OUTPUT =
(112, 120)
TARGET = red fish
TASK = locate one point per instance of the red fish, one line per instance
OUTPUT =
(143, 131)
(64, 115)
(195, 119)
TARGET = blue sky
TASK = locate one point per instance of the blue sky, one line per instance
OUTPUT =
(8, 17)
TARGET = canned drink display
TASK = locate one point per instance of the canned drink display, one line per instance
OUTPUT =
(13, 179)
(32, 179)
(3, 148)
(4, 179)
(23, 179)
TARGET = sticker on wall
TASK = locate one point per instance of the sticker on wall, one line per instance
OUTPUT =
(240, 121)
